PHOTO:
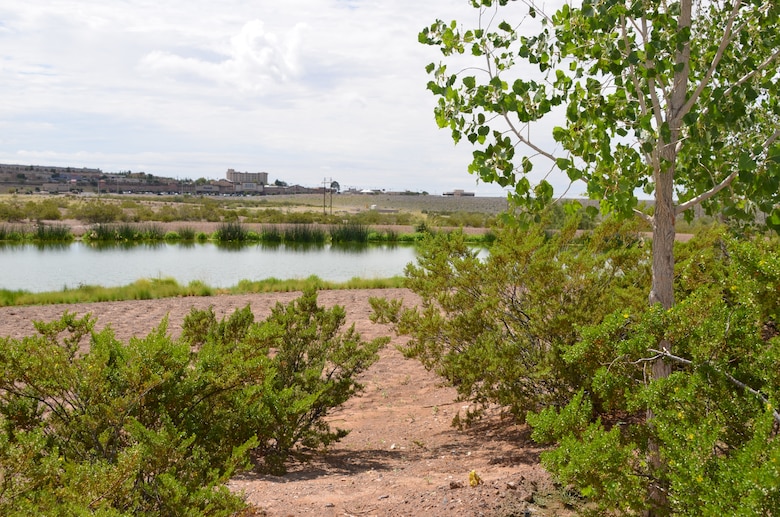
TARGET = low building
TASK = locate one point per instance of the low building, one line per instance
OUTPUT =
(459, 193)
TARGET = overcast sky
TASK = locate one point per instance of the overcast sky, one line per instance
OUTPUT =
(301, 89)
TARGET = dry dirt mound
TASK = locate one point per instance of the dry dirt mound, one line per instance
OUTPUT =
(402, 456)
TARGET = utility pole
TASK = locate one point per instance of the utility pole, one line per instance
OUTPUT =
(325, 183)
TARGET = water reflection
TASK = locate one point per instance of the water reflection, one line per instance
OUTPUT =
(54, 266)
(352, 247)
(127, 245)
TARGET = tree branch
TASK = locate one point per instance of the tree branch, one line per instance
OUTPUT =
(687, 362)
(742, 80)
(723, 184)
(724, 43)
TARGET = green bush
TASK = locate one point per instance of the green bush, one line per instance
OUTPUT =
(715, 418)
(89, 425)
(498, 328)
(96, 212)
(556, 329)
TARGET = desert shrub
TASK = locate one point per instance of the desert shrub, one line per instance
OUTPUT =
(11, 211)
(498, 328)
(715, 418)
(313, 369)
(155, 426)
(47, 210)
(556, 329)
(106, 430)
(96, 212)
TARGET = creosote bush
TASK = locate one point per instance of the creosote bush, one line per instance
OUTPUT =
(556, 329)
(498, 328)
(155, 426)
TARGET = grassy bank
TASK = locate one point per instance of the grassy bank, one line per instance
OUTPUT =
(152, 289)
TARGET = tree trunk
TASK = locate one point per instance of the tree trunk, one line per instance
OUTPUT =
(662, 292)
(663, 236)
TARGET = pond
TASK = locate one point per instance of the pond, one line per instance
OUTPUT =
(38, 268)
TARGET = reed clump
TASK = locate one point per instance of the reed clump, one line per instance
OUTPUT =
(11, 233)
(350, 232)
(304, 233)
(231, 232)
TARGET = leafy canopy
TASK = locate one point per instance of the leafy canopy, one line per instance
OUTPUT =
(635, 89)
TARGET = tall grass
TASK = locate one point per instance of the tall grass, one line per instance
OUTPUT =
(153, 289)
(53, 233)
(152, 232)
(271, 234)
(231, 232)
(349, 232)
(187, 233)
(144, 289)
(304, 233)
(125, 232)
(12, 233)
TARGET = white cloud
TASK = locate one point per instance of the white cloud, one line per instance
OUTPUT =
(257, 61)
(299, 88)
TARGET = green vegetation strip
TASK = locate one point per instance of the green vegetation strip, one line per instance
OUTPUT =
(153, 289)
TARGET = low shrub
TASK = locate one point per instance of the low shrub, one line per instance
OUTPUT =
(554, 327)
(90, 425)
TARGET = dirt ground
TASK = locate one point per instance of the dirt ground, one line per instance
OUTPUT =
(402, 456)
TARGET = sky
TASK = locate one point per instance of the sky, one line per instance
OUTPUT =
(306, 90)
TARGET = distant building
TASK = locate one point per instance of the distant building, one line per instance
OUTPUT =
(256, 178)
(459, 193)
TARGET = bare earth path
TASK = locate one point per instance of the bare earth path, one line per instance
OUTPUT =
(402, 456)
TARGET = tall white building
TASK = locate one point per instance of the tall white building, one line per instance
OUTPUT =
(258, 178)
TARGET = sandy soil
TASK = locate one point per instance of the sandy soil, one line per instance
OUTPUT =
(402, 457)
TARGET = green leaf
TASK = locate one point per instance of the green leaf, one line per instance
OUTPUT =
(563, 163)
(746, 162)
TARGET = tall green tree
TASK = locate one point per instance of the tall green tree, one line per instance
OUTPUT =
(676, 99)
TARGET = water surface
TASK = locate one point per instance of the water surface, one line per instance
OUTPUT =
(39, 268)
